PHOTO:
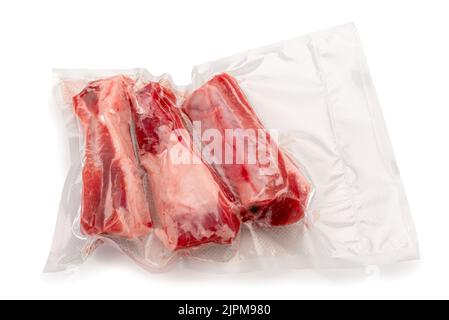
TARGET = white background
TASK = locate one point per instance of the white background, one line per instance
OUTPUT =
(407, 47)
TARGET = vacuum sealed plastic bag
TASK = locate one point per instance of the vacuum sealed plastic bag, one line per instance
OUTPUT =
(278, 156)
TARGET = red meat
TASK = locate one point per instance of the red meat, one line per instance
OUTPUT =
(191, 209)
(113, 197)
(273, 191)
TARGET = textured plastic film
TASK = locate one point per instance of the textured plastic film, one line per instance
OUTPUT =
(339, 202)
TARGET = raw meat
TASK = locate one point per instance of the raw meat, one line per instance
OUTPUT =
(273, 191)
(113, 197)
(191, 208)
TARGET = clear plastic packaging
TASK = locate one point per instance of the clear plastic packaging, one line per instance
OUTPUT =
(315, 184)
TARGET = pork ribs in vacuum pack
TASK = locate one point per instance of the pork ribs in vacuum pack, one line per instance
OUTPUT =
(142, 169)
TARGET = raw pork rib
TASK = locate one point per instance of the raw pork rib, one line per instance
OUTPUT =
(273, 195)
(113, 196)
(190, 206)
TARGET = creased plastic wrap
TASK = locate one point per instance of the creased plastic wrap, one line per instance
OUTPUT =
(275, 157)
